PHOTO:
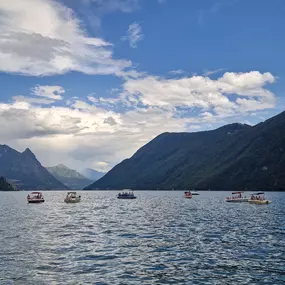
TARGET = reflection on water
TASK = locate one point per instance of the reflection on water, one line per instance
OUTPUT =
(160, 238)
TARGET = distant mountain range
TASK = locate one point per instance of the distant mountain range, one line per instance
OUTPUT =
(69, 177)
(92, 174)
(25, 171)
(233, 157)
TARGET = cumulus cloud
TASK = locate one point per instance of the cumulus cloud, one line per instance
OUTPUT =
(31, 100)
(82, 134)
(203, 92)
(134, 34)
(43, 37)
(86, 132)
(52, 92)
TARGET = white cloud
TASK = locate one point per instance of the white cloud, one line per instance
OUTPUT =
(31, 100)
(85, 133)
(176, 72)
(51, 92)
(43, 37)
(203, 92)
(82, 135)
(211, 72)
(101, 100)
(134, 34)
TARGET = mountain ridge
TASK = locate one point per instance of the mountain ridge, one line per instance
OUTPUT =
(25, 171)
(92, 174)
(69, 177)
(221, 159)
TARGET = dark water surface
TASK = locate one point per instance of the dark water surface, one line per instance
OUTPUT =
(160, 238)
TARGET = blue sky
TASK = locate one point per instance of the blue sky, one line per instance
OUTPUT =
(88, 82)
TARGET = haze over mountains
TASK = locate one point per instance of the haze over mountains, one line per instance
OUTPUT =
(69, 177)
(26, 172)
(92, 174)
(233, 157)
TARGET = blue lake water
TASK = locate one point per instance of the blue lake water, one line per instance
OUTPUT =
(159, 238)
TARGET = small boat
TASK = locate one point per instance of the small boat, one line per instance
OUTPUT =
(194, 193)
(258, 198)
(187, 195)
(72, 197)
(126, 194)
(237, 198)
(35, 197)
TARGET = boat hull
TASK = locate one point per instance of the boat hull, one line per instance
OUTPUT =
(242, 200)
(259, 202)
(127, 198)
(72, 201)
(35, 201)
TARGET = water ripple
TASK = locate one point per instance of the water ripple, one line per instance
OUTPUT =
(160, 238)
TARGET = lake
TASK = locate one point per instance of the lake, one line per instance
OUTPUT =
(159, 238)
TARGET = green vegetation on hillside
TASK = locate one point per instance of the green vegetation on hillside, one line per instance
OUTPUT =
(233, 157)
(6, 186)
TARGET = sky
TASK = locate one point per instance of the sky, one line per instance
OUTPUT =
(86, 83)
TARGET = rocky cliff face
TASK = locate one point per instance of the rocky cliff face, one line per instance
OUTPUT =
(25, 171)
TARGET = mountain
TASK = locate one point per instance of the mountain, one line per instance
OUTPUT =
(69, 177)
(25, 171)
(6, 186)
(233, 157)
(92, 174)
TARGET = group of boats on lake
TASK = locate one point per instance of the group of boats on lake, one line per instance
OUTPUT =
(38, 197)
(255, 198)
(128, 194)
(73, 197)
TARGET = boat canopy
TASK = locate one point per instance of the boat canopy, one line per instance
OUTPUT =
(258, 193)
(238, 192)
(36, 193)
(68, 193)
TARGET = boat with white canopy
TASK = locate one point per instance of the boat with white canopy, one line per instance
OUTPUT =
(258, 198)
(237, 198)
(72, 197)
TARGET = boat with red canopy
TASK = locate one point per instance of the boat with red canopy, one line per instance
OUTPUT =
(187, 195)
(35, 197)
(237, 197)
